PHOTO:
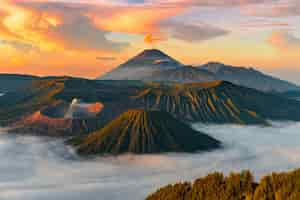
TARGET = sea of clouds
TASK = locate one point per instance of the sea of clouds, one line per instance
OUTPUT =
(35, 168)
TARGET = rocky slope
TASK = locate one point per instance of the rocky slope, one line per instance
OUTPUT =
(102, 101)
(212, 102)
(141, 131)
(218, 102)
(142, 66)
(61, 119)
(41, 124)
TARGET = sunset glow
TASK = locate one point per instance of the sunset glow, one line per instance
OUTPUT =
(69, 37)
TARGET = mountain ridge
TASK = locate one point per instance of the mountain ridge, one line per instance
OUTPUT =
(248, 77)
(144, 67)
(217, 102)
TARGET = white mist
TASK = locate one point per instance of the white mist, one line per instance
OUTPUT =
(34, 168)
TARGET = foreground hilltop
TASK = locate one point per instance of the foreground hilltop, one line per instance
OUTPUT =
(236, 186)
(145, 131)
(155, 65)
(211, 102)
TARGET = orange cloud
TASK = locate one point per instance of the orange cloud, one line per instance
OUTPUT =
(284, 40)
(151, 38)
(53, 26)
(136, 20)
(71, 37)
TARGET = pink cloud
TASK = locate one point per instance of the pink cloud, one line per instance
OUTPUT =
(280, 8)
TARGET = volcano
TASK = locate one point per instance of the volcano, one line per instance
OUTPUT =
(143, 131)
(142, 66)
(155, 65)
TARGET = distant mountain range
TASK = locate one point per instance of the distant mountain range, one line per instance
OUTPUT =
(154, 65)
(249, 77)
(144, 131)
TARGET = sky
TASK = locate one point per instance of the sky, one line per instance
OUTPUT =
(90, 37)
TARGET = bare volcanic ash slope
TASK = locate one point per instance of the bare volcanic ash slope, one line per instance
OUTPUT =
(142, 132)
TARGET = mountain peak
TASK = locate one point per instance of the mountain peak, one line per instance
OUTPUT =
(143, 65)
(152, 57)
(153, 52)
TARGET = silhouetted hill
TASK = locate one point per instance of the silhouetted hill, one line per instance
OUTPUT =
(248, 77)
(141, 131)
(236, 186)
(11, 82)
(290, 94)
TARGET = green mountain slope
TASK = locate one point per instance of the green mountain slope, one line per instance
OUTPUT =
(140, 131)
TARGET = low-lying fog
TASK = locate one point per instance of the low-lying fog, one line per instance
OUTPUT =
(34, 168)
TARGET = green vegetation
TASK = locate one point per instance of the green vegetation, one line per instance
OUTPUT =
(236, 186)
(140, 131)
